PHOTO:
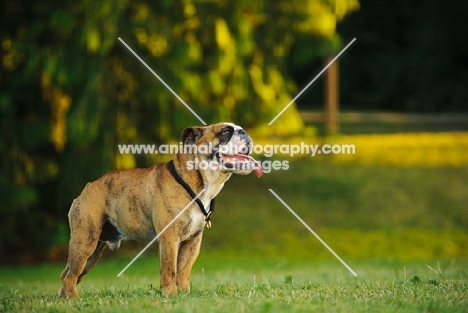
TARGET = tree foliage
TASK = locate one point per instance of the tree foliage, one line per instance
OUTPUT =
(70, 91)
(412, 56)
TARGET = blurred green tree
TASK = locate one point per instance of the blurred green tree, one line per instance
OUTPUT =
(69, 91)
(412, 56)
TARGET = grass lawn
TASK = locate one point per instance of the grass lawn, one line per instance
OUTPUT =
(403, 230)
(248, 285)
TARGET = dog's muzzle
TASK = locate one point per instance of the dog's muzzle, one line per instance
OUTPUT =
(235, 154)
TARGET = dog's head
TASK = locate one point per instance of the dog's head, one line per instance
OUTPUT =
(223, 146)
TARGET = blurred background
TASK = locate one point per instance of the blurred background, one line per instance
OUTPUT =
(70, 92)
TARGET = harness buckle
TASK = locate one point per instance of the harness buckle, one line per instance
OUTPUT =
(208, 220)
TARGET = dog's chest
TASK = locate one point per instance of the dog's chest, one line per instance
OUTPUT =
(195, 225)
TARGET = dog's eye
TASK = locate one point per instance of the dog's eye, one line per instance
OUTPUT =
(226, 132)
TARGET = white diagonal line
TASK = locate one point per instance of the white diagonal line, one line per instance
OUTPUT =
(161, 232)
(311, 82)
(162, 81)
(313, 233)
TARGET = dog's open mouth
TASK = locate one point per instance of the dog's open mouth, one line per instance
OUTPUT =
(241, 163)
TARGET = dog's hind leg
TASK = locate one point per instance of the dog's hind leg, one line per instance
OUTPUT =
(83, 250)
(77, 261)
(93, 259)
(89, 265)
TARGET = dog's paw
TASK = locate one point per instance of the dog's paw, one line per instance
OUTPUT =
(169, 290)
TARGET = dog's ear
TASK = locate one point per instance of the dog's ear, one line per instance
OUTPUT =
(191, 134)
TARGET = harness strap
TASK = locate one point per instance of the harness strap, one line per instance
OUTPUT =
(171, 168)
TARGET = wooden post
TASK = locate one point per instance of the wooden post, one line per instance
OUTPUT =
(332, 101)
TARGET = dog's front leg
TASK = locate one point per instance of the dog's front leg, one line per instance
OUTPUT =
(168, 263)
(188, 253)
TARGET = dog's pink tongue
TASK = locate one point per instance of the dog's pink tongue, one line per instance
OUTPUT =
(247, 158)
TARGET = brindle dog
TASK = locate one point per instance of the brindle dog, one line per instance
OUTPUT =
(139, 203)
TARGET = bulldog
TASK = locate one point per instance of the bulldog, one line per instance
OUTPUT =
(138, 204)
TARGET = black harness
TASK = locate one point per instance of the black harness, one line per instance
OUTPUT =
(171, 168)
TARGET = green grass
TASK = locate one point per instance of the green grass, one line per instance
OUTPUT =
(248, 285)
(348, 128)
(388, 223)
(362, 211)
